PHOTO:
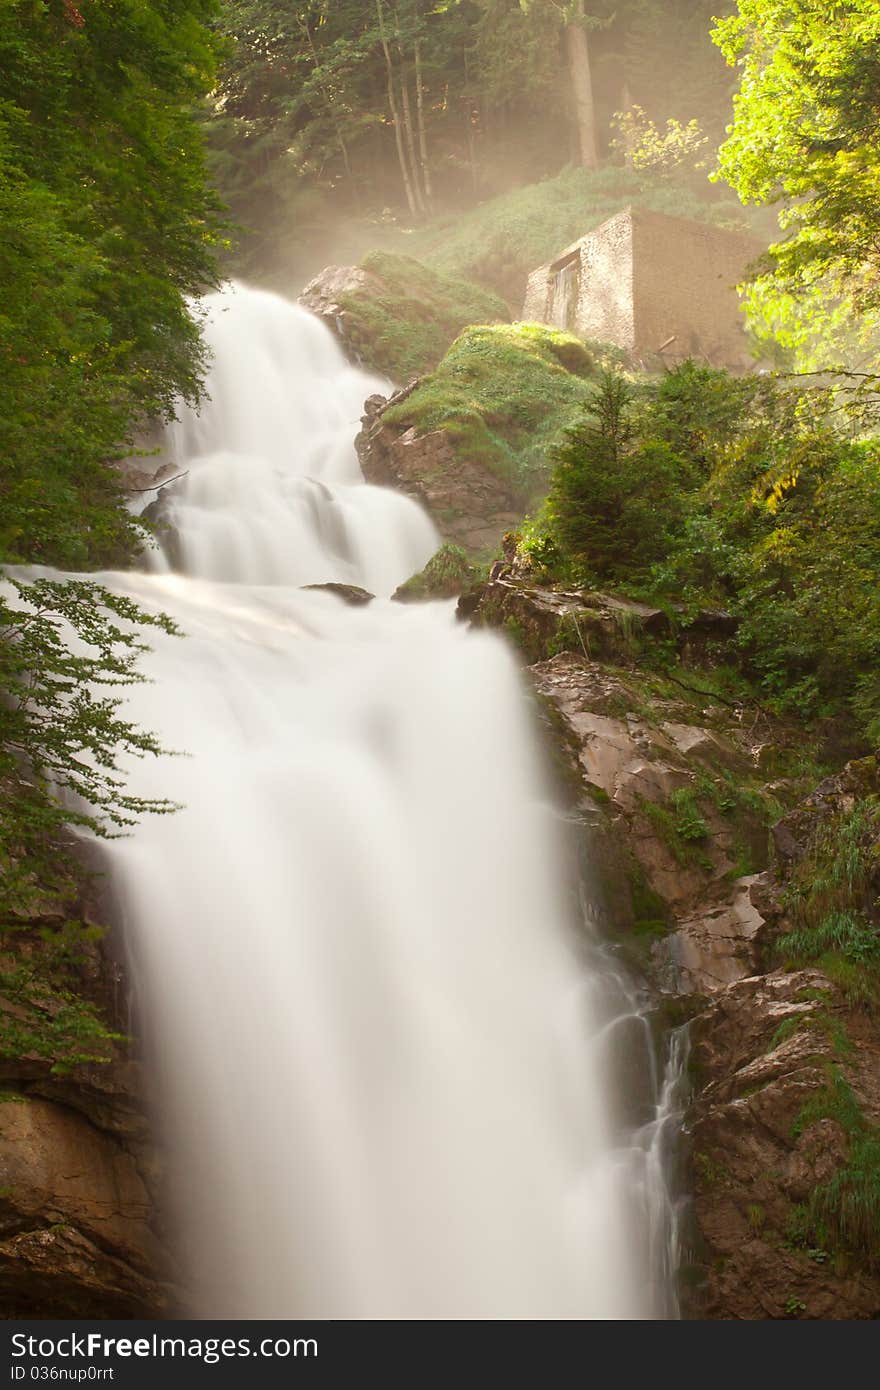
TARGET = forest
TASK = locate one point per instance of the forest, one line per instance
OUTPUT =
(439, 151)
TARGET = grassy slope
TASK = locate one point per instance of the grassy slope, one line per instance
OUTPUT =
(498, 242)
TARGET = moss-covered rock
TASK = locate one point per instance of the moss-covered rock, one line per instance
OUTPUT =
(395, 315)
(447, 574)
(502, 395)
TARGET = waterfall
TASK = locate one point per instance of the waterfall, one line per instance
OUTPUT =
(379, 1039)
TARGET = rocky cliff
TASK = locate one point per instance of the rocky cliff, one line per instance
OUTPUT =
(698, 862)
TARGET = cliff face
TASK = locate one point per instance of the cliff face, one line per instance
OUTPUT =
(79, 1166)
(785, 1097)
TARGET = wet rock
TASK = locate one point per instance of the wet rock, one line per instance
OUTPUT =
(761, 1053)
(349, 593)
(640, 753)
(470, 506)
(716, 946)
(603, 627)
(859, 778)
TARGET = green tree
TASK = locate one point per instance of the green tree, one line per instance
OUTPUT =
(615, 498)
(669, 64)
(61, 739)
(109, 227)
(804, 136)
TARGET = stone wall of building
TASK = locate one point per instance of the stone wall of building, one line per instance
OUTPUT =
(685, 281)
(653, 285)
(607, 285)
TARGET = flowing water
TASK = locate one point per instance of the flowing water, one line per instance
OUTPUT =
(384, 1055)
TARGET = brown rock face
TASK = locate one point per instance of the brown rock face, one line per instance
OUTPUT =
(639, 759)
(75, 1218)
(469, 505)
(755, 1167)
(80, 1169)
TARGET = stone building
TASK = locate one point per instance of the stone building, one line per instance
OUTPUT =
(654, 285)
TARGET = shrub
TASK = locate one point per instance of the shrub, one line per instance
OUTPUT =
(614, 498)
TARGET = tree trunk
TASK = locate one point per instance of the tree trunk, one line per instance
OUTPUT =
(411, 142)
(578, 48)
(423, 138)
(395, 117)
(343, 147)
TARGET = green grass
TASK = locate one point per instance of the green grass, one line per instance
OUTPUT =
(404, 329)
(819, 1021)
(504, 393)
(669, 822)
(831, 900)
(844, 1212)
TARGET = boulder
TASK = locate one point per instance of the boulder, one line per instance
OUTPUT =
(351, 594)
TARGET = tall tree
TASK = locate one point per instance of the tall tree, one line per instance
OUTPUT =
(574, 24)
(578, 48)
(669, 63)
(109, 226)
(804, 136)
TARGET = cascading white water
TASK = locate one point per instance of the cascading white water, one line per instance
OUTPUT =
(376, 1035)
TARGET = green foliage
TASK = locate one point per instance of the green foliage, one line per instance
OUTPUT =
(316, 129)
(847, 933)
(650, 912)
(710, 1171)
(835, 1101)
(405, 327)
(61, 738)
(66, 648)
(310, 105)
(108, 226)
(613, 505)
(756, 1217)
(739, 493)
(44, 1017)
(804, 136)
(832, 899)
(671, 67)
(503, 394)
(676, 150)
(666, 820)
(845, 1211)
(817, 1020)
(690, 823)
(500, 241)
